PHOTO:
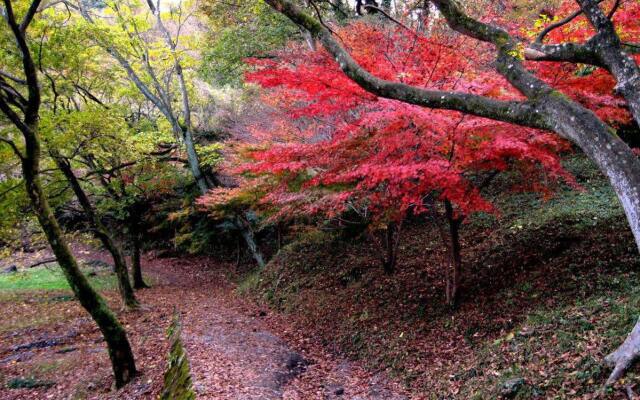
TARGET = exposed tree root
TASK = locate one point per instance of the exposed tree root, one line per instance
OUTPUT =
(624, 357)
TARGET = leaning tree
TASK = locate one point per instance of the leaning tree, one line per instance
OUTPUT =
(542, 106)
(20, 103)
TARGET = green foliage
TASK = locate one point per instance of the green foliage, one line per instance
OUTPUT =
(14, 206)
(240, 29)
(210, 155)
(584, 208)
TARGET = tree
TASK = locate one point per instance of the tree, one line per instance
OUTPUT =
(76, 133)
(149, 72)
(142, 48)
(238, 30)
(541, 105)
(23, 112)
(379, 159)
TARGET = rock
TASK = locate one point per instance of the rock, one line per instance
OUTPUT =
(339, 391)
(10, 269)
(511, 387)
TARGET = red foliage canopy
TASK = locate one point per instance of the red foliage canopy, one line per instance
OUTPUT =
(354, 150)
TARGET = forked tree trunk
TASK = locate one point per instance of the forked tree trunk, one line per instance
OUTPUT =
(122, 360)
(101, 232)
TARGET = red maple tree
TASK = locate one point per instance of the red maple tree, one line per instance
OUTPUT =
(336, 148)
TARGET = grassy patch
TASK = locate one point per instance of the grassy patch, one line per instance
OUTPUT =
(49, 278)
(28, 383)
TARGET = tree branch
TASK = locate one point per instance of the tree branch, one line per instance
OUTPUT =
(13, 78)
(522, 113)
(31, 111)
(31, 12)
(13, 146)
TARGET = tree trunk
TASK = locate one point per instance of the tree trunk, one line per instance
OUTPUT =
(247, 233)
(122, 360)
(138, 281)
(309, 39)
(455, 258)
(101, 232)
(622, 167)
(391, 239)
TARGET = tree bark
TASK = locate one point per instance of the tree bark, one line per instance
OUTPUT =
(100, 231)
(247, 233)
(120, 352)
(138, 281)
(455, 258)
(391, 241)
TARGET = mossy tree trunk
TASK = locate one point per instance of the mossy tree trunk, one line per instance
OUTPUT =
(100, 231)
(120, 352)
(24, 112)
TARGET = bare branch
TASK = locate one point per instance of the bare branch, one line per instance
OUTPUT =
(13, 146)
(565, 21)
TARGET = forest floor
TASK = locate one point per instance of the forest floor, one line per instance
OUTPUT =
(50, 349)
(549, 288)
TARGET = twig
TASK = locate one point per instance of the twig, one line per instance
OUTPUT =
(380, 10)
(570, 18)
(46, 261)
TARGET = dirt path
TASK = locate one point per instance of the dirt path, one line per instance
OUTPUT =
(235, 352)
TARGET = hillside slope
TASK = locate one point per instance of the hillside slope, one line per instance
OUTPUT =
(549, 287)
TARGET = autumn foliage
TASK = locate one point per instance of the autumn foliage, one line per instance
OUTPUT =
(334, 147)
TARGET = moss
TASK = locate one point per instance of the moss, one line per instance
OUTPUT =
(28, 383)
(177, 378)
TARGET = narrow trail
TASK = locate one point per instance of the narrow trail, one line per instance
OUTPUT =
(240, 351)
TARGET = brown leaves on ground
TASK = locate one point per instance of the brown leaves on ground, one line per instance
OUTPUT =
(236, 349)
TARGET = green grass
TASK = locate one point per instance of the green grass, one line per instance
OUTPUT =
(28, 383)
(49, 278)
